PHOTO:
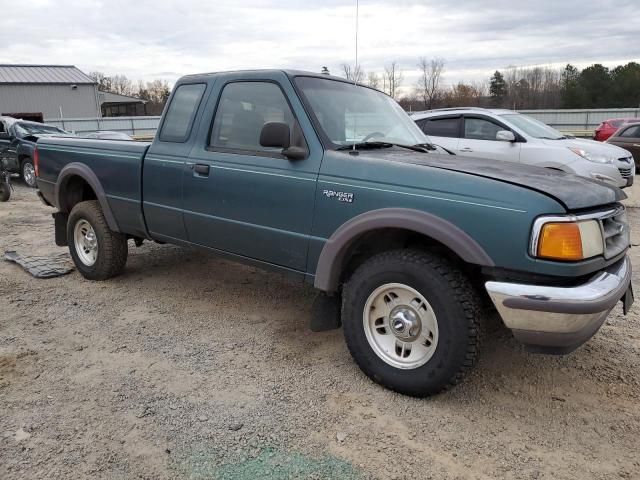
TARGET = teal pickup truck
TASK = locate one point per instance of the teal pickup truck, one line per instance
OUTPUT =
(333, 183)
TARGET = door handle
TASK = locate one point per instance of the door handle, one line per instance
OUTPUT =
(466, 149)
(201, 169)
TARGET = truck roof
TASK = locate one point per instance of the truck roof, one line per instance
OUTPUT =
(288, 72)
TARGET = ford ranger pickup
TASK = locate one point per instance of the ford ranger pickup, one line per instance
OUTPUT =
(334, 184)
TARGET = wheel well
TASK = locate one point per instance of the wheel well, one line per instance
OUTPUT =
(376, 241)
(76, 189)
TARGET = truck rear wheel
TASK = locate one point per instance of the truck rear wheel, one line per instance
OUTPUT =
(411, 321)
(97, 252)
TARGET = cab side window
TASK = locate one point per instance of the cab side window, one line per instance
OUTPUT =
(243, 109)
(442, 127)
(480, 129)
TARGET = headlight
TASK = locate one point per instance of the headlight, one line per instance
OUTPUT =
(592, 157)
(566, 240)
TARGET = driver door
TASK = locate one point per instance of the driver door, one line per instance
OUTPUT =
(241, 197)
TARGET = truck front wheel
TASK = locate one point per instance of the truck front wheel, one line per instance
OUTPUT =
(411, 321)
(97, 252)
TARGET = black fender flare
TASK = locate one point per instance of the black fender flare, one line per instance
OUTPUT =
(331, 258)
(81, 170)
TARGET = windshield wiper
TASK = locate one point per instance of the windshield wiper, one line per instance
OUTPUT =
(418, 147)
(365, 145)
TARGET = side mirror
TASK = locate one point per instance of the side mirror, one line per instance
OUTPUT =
(275, 134)
(278, 135)
(505, 136)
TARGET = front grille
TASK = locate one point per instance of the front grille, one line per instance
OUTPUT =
(615, 231)
(626, 171)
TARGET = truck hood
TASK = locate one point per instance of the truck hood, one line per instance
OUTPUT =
(572, 191)
(591, 146)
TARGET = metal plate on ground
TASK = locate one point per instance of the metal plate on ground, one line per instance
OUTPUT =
(42, 266)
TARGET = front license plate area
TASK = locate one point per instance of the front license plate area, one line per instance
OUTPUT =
(627, 300)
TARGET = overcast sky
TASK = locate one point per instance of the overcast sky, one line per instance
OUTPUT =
(166, 39)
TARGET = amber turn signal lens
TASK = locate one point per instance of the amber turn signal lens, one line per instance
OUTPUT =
(560, 241)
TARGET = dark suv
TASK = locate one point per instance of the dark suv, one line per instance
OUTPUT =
(17, 141)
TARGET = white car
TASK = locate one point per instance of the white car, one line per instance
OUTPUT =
(510, 136)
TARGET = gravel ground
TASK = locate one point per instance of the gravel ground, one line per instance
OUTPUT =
(192, 367)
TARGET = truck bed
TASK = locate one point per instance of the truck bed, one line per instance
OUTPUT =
(117, 163)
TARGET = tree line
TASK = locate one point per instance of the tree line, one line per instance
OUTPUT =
(155, 92)
(516, 88)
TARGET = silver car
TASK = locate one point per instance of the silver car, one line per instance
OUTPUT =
(497, 134)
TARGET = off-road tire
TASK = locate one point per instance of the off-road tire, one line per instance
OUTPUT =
(23, 164)
(5, 191)
(454, 301)
(112, 246)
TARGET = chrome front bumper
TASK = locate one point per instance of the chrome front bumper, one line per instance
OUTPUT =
(560, 319)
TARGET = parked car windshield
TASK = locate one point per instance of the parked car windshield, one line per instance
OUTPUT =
(23, 129)
(350, 113)
(533, 127)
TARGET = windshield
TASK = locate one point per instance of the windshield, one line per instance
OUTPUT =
(349, 113)
(532, 127)
(23, 129)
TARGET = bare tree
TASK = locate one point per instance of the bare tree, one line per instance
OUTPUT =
(461, 95)
(428, 85)
(373, 80)
(532, 87)
(355, 74)
(103, 81)
(155, 93)
(392, 79)
(121, 85)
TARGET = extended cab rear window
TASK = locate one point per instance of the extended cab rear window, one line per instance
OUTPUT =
(182, 110)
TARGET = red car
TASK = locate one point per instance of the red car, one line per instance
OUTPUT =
(609, 127)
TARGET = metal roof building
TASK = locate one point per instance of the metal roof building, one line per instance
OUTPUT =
(47, 92)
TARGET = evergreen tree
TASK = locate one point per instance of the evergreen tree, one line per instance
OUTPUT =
(595, 82)
(570, 91)
(497, 87)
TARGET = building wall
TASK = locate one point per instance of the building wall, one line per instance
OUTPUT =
(47, 99)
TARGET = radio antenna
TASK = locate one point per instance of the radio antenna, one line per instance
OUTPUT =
(355, 76)
(355, 73)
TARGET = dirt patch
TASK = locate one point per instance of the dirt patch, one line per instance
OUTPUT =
(188, 366)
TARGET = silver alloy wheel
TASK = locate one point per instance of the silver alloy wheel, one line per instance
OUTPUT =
(85, 242)
(400, 326)
(29, 174)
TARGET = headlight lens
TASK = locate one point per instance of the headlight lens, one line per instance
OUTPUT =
(570, 241)
(592, 157)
